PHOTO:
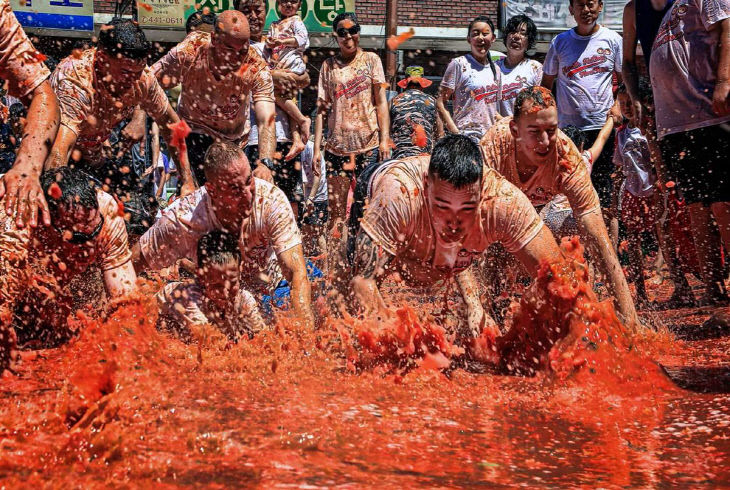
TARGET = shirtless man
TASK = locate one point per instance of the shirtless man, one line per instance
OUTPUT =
(97, 89)
(220, 77)
(253, 209)
(429, 218)
(27, 78)
(532, 153)
(38, 264)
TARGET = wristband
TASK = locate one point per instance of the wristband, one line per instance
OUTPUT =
(268, 163)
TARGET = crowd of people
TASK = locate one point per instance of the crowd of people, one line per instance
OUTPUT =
(509, 158)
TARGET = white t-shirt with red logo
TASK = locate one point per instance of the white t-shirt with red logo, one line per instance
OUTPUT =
(476, 90)
(584, 66)
(527, 74)
(684, 62)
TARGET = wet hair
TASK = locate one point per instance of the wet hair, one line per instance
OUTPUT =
(199, 18)
(124, 37)
(540, 96)
(513, 25)
(17, 110)
(343, 16)
(480, 18)
(218, 247)
(220, 156)
(457, 160)
(77, 188)
(576, 135)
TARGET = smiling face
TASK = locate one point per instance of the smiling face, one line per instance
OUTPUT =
(624, 103)
(585, 12)
(517, 41)
(288, 8)
(453, 211)
(536, 133)
(480, 39)
(255, 12)
(346, 40)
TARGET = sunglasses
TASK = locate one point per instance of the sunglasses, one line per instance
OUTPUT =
(79, 238)
(343, 31)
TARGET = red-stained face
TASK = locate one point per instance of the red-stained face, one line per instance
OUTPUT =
(117, 73)
(255, 11)
(480, 39)
(453, 211)
(220, 283)
(232, 190)
(536, 133)
(228, 51)
(585, 12)
(77, 220)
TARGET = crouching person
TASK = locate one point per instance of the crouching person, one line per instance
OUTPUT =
(214, 297)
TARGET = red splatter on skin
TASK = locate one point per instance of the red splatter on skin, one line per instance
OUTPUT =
(55, 191)
(38, 57)
(180, 131)
(395, 41)
(418, 137)
(242, 70)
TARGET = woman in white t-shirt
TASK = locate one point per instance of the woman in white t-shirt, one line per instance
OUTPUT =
(472, 81)
(518, 71)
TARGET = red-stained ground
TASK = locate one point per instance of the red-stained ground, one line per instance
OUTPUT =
(125, 405)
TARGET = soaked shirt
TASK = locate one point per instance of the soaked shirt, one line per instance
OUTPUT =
(27, 250)
(287, 57)
(90, 110)
(684, 62)
(347, 91)
(218, 108)
(397, 218)
(183, 306)
(584, 66)
(566, 172)
(20, 62)
(476, 94)
(633, 157)
(410, 110)
(527, 74)
(270, 230)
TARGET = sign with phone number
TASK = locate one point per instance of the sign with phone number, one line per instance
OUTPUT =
(317, 14)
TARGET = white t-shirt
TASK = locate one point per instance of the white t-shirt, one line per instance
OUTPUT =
(527, 74)
(270, 230)
(308, 175)
(684, 61)
(283, 134)
(633, 156)
(584, 66)
(476, 94)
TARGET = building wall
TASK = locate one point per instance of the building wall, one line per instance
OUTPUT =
(427, 13)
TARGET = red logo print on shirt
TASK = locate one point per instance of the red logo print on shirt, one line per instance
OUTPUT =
(510, 90)
(488, 94)
(668, 31)
(589, 65)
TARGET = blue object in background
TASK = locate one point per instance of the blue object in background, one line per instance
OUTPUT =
(282, 293)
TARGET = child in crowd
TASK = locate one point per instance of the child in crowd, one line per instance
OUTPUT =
(642, 207)
(214, 297)
(314, 214)
(287, 41)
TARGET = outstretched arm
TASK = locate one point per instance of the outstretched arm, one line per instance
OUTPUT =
(294, 269)
(21, 184)
(120, 280)
(596, 235)
(477, 318)
(370, 263)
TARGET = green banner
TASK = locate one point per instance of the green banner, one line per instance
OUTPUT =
(317, 14)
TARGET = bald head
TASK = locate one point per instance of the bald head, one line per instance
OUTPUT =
(234, 25)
